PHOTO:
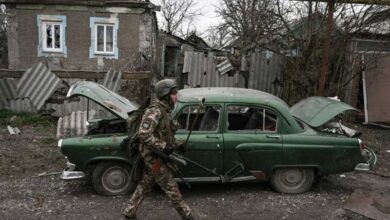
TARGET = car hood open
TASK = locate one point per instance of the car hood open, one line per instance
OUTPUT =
(113, 102)
(316, 111)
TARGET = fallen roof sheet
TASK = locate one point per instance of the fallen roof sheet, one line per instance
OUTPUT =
(74, 124)
(112, 80)
(21, 105)
(3, 101)
(38, 83)
(8, 88)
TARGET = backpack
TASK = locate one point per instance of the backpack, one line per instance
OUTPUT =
(130, 144)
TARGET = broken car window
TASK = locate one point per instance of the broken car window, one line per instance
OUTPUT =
(251, 118)
(207, 120)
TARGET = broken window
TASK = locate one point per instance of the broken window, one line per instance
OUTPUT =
(251, 118)
(208, 118)
(104, 37)
(51, 34)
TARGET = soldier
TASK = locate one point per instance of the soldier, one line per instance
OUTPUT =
(156, 130)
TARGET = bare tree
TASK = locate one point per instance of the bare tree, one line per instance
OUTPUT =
(248, 20)
(295, 31)
(218, 36)
(178, 15)
(300, 41)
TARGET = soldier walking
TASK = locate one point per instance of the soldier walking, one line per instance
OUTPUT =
(157, 130)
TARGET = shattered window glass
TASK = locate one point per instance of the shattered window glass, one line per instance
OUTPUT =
(49, 36)
(251, 118)
(52, 36)
(57, 36)
(207, 119)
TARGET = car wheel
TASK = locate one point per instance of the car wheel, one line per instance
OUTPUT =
(292, 180)
(112, 178)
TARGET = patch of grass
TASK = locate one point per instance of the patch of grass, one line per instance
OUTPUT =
(23, 118)
(48, 141)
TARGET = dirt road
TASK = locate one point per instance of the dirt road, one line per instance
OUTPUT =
(30, 188)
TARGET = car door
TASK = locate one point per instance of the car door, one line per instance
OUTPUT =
(205, 145)
(252, 137)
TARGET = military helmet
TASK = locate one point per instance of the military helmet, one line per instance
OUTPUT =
(163, 87)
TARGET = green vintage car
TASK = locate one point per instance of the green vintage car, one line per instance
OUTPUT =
(238, 135)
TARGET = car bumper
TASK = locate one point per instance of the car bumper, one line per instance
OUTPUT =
(70, 174)
(370, 163)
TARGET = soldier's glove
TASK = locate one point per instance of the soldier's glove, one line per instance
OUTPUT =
(181, 147)
(168, 149)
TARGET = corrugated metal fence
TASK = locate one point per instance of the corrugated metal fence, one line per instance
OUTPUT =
(264, 68)
(202, 71)
(265, 72)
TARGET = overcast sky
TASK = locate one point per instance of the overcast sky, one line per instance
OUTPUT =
(208, 18)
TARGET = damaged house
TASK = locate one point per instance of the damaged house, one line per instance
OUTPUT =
(171, 52)
(55, 43)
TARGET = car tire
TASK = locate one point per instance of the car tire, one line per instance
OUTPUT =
(292, 180)
(112, 178)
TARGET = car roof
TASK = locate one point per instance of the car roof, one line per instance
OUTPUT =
(240, 96)
(227, 94)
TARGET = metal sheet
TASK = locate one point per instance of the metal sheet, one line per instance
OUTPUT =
(21, 105)
(224, 67)
(68, 106)
(264, 72)
(3, 101)
(8, 88)
(202, 71)
(377, 83)
(74, 124)
(368, 204)
(38, 83)
(112, 80)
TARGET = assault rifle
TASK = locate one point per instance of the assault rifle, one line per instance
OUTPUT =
(173, 158)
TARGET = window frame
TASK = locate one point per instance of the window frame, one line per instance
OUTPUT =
(252, 131)
(42, 22)
(105, 22)
(44, 36)
(195, 106)
(105, 25)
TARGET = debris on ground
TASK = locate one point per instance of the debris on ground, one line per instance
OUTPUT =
(370, 204)
(12, 130)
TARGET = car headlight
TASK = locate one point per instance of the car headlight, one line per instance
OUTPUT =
(59, 144)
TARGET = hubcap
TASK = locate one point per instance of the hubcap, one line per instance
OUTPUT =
(292, 177)
(115, 179)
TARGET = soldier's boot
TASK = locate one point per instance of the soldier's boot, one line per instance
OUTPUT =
(132, 217)
(195, 215)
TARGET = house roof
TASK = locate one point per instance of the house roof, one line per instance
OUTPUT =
(178, 39)
(102, 3)
(198, 41)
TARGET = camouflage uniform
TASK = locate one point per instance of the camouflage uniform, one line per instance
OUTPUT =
(156, 130)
